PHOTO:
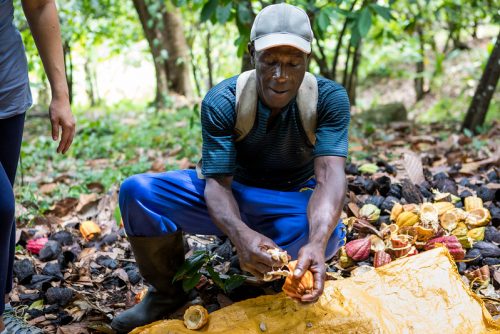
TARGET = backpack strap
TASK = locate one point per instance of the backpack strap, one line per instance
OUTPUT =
(307, 102)
(247, 97)
(246, 103)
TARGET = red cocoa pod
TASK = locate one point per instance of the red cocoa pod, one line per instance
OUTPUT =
(34, 246)
(359, 249)
(449, 241)
(400, 246)
(381, 258)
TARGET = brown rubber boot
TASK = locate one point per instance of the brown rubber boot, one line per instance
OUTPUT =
(158, 259)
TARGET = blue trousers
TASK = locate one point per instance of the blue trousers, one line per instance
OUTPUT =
(158, 204)
(11, 134)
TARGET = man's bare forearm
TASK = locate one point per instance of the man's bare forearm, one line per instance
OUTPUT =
(327, 200)
(223, 208)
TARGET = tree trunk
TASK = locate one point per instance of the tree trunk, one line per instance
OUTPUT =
(152, 36)
(68, 64)
(346, 67)
(420, 67)
(208, 55)
(339, 44)
(480, 102)
(177, 60)
(353, 76)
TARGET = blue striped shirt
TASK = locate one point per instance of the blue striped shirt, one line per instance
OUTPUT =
(280, 157)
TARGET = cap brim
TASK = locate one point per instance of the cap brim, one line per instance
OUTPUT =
(279, 39)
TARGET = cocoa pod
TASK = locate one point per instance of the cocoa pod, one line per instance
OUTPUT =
(473, 257)
(407, 218)
(443, 207)
(370, 212)
(358, 250)
(295, 287)
(451, 242)
(476, 234)
(410, 192)
(195, 317)
(491, 234)
(472, 203)
(401, 246)
(34, 246)
(487, 249)
(89, 230)
(381, 258)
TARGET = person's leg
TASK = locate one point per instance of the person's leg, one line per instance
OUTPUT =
(282, 216)
(155, 209)
(162, 203)
(11, 133)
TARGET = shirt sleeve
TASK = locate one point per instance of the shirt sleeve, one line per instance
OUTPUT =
(333, 120)
(217, 123)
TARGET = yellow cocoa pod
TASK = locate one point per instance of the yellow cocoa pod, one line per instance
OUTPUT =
(89, 229)
(477, 234)
(478, 217)
(449, 220)
(460, 213)
(472, 203)
(396, 211)
(195, 317)
(407, 218)
(466, 242)
(460, 231)
(442, 207)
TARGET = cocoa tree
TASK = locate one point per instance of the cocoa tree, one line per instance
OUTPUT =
(484, 92)
(162, 26)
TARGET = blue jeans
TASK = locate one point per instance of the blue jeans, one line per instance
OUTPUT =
(11, 135)
(158, 204)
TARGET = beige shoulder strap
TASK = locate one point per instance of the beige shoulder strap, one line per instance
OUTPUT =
(307, 102)
(246, 104)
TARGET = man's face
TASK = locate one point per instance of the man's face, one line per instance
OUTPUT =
(280, 71)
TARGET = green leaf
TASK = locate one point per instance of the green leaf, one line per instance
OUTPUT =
(323, 20)
(223, 13)
(364, 22)
(468, 133)
(385, 12)
(244, 14)
(355, 36)
(118, 216)
(190, 282)
(208, 10)
(191, 265)
(37, 305)
(233, 282)
(215, 277)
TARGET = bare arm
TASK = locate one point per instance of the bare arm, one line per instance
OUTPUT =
(323, 211)
(225, 214)
(44, 24)
(327, 201)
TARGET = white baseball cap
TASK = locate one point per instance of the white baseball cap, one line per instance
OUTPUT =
(282, 24)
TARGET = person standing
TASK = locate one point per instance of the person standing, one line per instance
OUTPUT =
(15, 100)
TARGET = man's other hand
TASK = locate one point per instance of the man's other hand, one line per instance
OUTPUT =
(312, 258)
(251, 247)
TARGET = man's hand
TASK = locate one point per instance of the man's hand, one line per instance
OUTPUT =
(251, 247)
(61, 117)
(312, 258)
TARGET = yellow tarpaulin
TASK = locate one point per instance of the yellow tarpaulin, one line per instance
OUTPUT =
(419, 294)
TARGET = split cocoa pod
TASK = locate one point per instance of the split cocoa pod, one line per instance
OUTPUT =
(449, 241)
(295, 287)
(89, 230)
(195, 317)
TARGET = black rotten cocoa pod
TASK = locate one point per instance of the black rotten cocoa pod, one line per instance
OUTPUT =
(370, 186)
(357, 185)
(50, 251)
(491, 234)
(106, 261)
(440, 176)
(492, 176)
(383, 184)
(410, 192)
(464, 194)
(351, 169)
(395, 190)
(487, 249)
(491, 261)
(486, 194)
(375, 200)
(447, 186)
(60, 296)
(495, 215)
(474, 257)
(389, 203)
(63, 237)
(23, 270)
(53, 269)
